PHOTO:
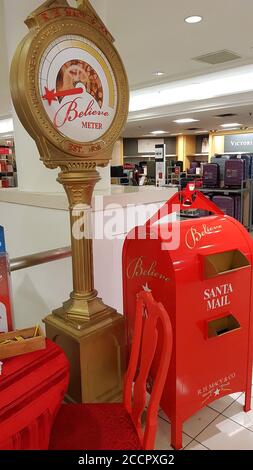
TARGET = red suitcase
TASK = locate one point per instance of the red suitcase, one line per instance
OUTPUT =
(234, 172)
(32, 387)
(226, 204)
(211, 175)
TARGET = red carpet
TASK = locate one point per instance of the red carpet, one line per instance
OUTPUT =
(78, 427)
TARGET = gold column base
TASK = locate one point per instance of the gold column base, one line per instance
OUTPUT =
(80, 309)
(96, 353)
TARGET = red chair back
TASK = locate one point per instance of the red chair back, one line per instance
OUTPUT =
(152, 336)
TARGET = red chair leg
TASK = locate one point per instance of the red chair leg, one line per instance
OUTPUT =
(176, 433)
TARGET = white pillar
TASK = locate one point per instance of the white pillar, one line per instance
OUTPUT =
(32, 175)
(105, 173)
(101, 8)
(5, 99)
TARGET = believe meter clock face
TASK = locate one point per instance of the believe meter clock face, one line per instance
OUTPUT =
(77, 88)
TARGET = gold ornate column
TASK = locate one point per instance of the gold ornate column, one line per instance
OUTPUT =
(83, 304)
(70, 91)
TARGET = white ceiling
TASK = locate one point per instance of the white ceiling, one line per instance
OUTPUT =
(152, 35)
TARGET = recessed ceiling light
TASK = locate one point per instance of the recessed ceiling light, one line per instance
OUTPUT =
(232, 124)
(185, 120)
(193, 19)
(159, 132)
(231, 129)
(204, 131)
(158, 73)
(178, 133)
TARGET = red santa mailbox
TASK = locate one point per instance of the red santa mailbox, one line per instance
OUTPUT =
(205, 283)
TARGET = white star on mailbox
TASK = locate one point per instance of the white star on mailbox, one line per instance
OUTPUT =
(217, 392)
(146, 288)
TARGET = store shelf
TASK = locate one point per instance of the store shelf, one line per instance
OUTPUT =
(222, 190)
(246, 194)
(198, 155)
(7, 161)
(143, 157)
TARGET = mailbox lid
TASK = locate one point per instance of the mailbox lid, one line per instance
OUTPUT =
(200, 237)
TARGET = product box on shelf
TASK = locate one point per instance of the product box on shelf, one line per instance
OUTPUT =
(2, 240)
(5, 288)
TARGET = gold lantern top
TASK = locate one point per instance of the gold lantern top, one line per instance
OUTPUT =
(69, 86)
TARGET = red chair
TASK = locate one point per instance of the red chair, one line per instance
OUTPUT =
(111, 426)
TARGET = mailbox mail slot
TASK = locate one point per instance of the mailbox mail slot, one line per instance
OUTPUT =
(222, 325)
(205, 284)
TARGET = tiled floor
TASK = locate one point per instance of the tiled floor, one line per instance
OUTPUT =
(222, 425)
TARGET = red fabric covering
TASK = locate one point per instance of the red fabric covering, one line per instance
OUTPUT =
(93, 427)
(32, 387)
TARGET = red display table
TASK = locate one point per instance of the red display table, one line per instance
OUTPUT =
(32, 387)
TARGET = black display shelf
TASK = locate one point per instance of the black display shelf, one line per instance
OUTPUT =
(222, 190)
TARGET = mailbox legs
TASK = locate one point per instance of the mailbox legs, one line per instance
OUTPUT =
(247, 405)
(176, 433)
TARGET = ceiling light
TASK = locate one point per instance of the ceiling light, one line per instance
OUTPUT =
(159, 132)
(193, 19)
(178, 133)
(202, 132)
(158, 73)
(232, 124)
(6, 125)
(185, 120)
(230, 129)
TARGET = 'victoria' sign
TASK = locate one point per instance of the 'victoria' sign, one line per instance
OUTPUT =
(238, 143)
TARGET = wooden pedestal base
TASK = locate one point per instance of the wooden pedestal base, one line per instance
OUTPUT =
(96, 354)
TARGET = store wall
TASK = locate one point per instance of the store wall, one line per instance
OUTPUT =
(130, 146)
(37, 290)
(5, 98)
